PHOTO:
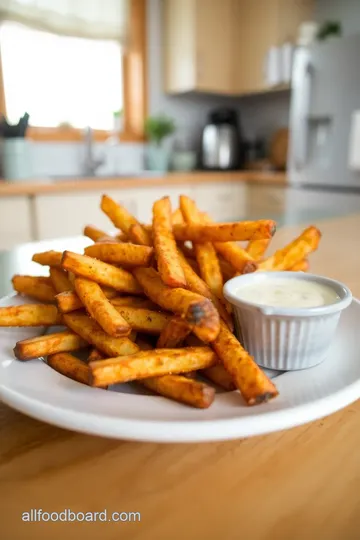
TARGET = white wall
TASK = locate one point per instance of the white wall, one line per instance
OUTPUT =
(346, 11)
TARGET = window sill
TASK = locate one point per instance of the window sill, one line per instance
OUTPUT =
(76, 135)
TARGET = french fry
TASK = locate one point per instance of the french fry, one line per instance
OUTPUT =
(183, 389)
(227, 269)
(89, 330)
(197, 285)
(48, 344)
(224, 232)
(166, 252)
(68, 301)
(196, 309)
(257, 247)
(30, 315)
(94, 233)
(153, 363)
(173, 334)
(302, 266)
(177, 217)
(40, 288)
(100, 308)
(144, 320)
(70, 366)
(121, 218)
(252, 382)
(100, 272)
(95, 355)
(122, 254)
(60, 280)
(48, 258)
(134, 301)
(205, 252)
(139, 235)
(296, 251)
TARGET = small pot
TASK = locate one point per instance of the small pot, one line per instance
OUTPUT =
(157, 158)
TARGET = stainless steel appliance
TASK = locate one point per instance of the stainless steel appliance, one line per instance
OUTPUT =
(221, 142)
(325, 115)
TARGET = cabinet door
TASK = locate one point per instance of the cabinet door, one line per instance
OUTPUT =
(222, 200)
(15, 221)
(265, 202)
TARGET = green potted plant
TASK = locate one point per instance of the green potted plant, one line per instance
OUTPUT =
(157, 129)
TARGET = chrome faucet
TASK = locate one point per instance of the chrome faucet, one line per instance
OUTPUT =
(91, 164)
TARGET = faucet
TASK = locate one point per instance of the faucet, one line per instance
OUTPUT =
(91, 164)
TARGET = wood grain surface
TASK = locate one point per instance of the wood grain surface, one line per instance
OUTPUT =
(299, 484)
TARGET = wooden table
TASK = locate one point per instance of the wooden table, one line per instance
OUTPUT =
(299, 484)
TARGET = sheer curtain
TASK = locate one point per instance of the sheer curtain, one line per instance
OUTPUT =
(93, 19)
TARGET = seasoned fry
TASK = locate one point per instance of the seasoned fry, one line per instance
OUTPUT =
(151, 364)
(302, 266)
(89, 330)
(139, 235)
(224, 232)
(296, 251)
(166, 252)
(227, 269)
(252, 382)
(235, 255)
(68, 301)
(94, 233)
(70, 366)
(177, 217)
(144, 320)
(122, 254)
(100, 308)
(30, 315)
(121, 218)
(60, 280)
(173, 334)
(196, 309)
(218, 375)
(197, 285)
(100, 272)
(257, 247)
(135, 302)
(40, 288)
(48, 258)
(48, 344)
(183, 389)
(95, 355)
(205, 252)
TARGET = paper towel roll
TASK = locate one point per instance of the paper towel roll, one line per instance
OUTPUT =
(354, 142)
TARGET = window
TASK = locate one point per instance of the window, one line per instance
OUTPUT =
(67, 83)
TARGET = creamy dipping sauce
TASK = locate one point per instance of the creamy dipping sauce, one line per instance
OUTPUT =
(296, 293)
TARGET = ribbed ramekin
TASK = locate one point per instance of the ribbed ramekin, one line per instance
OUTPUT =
(286, 338)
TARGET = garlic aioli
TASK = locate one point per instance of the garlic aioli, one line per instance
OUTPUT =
(282, 292)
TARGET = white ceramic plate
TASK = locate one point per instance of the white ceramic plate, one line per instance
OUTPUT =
(38, 391)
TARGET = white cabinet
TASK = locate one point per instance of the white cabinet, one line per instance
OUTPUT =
(224, 201)
(15, 221)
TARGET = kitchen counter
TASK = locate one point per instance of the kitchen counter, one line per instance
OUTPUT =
(300, 483)
(34, 187)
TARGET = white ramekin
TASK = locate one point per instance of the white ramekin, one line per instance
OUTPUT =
(286, 338)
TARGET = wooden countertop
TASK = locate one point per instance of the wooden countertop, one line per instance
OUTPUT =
(34, 187)
(300, 483)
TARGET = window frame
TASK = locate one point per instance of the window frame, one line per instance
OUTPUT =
(134, 67)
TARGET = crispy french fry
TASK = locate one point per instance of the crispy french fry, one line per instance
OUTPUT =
(100, 308)
(144, 320)
(252, 382)
(100, 272)
(257, 247)
(197, 285)
(296, 251)
(68, 301)
(224, 232)
(94, 233)
(122, 254)
(30, 315)
(40, 288)
(139, 235)
(48, 344)
(166, 252)
(70, 366)
(205, 252)
(301, 266)
(196, 309)
(177, 217)
(134, 301)
(95, 355)
(89, 330)
(183, 389)
(173, 334)
(227, 269)
(60, 280)
(48, 258)
(121, 218)
(153, 363)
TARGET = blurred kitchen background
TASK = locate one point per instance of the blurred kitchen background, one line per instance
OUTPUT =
(250, 106)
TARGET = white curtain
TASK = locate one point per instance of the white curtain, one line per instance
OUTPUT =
(94, 19)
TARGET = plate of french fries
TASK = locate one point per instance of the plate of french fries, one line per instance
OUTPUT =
(132, 338)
